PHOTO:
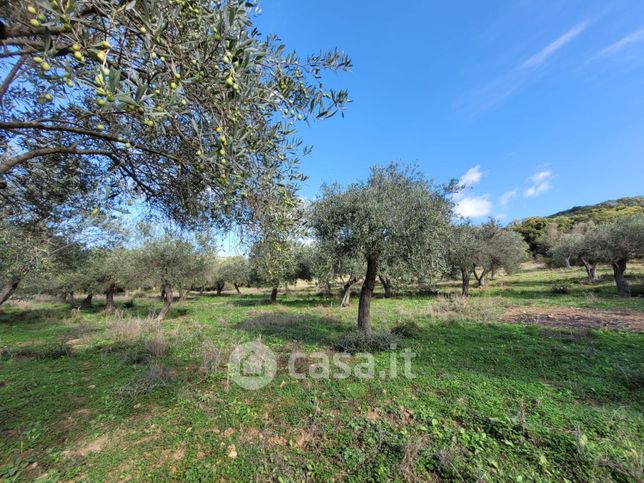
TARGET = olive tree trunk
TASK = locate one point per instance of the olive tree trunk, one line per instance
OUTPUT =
(273, 299)
(87, 301)
(465, 276)
(219, 287)
(364, 307)
(619, 267)
(386, 284)
(8, 289)
(480, 279)
(236, 285)
(167, 301)
(347, 291)
(591, 269)
(109, 300)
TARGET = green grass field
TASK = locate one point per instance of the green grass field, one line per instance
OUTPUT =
(84, 396)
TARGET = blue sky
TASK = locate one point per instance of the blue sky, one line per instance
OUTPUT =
(537, 105)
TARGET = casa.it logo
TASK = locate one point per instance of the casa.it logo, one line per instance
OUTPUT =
(252, 365)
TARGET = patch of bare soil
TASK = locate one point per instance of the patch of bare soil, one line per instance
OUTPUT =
(574, 318)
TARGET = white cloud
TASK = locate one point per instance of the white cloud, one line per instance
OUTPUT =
(541, 176)
(540, 184)
(473, 206)
(632, 38)
(544, 54)
(505, 198)
(471, 176)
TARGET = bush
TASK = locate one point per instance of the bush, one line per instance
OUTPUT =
(359, 341)
(560, 289)
(154, 376)
(408, 328)
(157, 346)
(211, 356)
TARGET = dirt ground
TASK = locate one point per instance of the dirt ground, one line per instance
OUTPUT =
(575, 318)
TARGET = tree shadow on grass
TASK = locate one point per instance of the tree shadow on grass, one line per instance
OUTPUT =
(568, 360)
(23, 316)
(310, 329)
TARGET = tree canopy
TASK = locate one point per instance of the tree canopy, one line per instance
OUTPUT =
(396, 213)
(185, 104)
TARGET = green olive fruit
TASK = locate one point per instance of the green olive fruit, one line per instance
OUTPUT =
(38, 60)
(32, 10)
(218, 130)
(142, 30)
(78, 56)
(76, 47)
(173, 85)
(222, 151)
(48, 96)
(100, 55)
(100, 127)
(45, 66)
(100, 102)
(34, 22)
(229, 81)
(69, 82)
(105, 44)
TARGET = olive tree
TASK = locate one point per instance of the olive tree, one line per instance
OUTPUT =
(185, 104)
(616, 243)
(464, 252)
(169, 262)
(396, 213)
(499, 249)
(24, 250)
(232, 270)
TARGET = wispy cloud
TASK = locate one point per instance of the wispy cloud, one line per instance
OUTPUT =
(473, 206)
(471, 176)
(549, 50)
(505, 198)
(624, 42)
(540, 184)
(506, 85)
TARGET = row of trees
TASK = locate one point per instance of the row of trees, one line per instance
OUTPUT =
(614, 243)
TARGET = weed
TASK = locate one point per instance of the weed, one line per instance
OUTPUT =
(360, 341)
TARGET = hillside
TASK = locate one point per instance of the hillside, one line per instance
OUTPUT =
(604, 211)
(533, 227)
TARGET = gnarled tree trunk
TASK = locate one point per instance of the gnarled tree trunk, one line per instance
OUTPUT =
(109, 300)
(591, 269)
(347, 291)
(364, 307)
(219, 287)
(465, 276)
(87, 301)
(386, 284)
(167, 300)
(8, 289)
(619, 267)
(236, 285)
(480, 279)
(273, 299)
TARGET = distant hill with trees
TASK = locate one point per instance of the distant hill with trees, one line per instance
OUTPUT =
(533, 228)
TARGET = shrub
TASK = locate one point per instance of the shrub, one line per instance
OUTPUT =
(211, 356)
(157, 347)
(560, 289)
(409, 328)
(124, 327)
(359, 341)
(154, 376)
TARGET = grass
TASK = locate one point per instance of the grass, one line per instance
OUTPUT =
(85, 396)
